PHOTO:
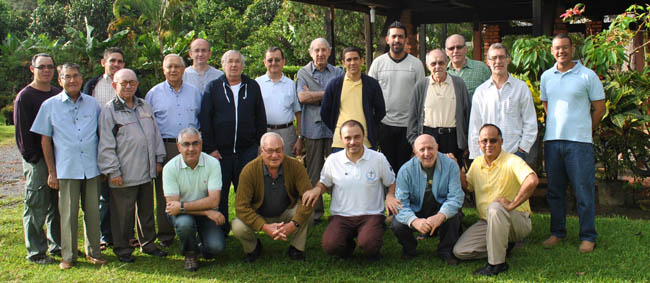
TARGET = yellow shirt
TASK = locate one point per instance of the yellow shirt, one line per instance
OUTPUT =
(502, 179)
(440, 105)
(351, 109)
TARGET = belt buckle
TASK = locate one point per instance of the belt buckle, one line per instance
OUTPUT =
(440, 131)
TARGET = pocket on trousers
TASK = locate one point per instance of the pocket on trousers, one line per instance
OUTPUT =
(36, 198)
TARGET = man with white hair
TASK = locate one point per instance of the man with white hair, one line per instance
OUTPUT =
(310, 83)
(268, 200)
(175, 105)
(233, 120)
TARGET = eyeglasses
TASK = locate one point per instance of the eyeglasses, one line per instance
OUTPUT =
(452, 48)
(69, 77)
(276, 60)
(441, 63)
(44, 67)
(131, 83)
(272, 150)
(491, 141)
(188, 144)
(500, 57)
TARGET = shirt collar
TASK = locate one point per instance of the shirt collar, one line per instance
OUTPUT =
(446, 81)
(467, 64)
(201, 162)
(65, 96)
(494, 163)
(575, 68)
(313, 70)
(107, 78)
(169, 86)
(365, 156)
(266, 169)
(509, 81)
(267, 78)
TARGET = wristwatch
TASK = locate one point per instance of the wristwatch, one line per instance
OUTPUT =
(182, 207)
(295, 223)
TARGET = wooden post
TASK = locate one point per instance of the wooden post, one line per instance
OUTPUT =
(443, 36)
(369, 40)
(329, 24)
(538, 25)
(422, 41)
(477, 41)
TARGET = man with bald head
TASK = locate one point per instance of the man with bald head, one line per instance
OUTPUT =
(428, 187)
(175, 106)
(131, 153)
(473, 72)
(311, 81)
(233, 119)
(440, 107)
(200, 73)
(269, 200)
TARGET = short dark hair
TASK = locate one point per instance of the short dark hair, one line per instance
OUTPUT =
(398, 24)
(491, 125)
(35, 57)
(352, 123)
(350, 49)
(273, 49)
(111, 50)
(67, 66)
(562, 36)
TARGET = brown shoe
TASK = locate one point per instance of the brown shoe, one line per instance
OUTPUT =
(587, 247)
(65, 265)
(96, 260)
(551, 241)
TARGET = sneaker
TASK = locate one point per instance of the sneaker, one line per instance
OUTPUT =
(252, 256)
(191, 262)
(41, 259)
(489, 269)
(551, 241)
(65, 265)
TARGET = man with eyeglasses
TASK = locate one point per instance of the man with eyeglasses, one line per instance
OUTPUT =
(200, 73)
(131, 153)
(41, 201)
(397, 73)
(503, 183)
(281, 102)
(233, 120)
(269, 200)
(101, 88)
(67, 123)
(473, 72)
(175, 106)
(506, 102)
(440, 107)
(569, 91)
(193, 189)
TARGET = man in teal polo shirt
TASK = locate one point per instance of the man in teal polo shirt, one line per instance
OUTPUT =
(473, 72)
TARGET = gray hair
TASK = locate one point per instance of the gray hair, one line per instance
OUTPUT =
(188, 130)
(232, 51)
(125, 70)
(430, 53)
(322, 40)
(498, 45)
(174, 55)
(270, 134)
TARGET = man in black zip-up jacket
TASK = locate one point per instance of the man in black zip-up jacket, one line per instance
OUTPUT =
(233, 120)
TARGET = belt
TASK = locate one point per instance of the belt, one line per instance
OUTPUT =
(440, 131)
(281, 126)
(169, 140)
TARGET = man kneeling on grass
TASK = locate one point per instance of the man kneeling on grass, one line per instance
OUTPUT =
(268, 199)
(503, 182)
(192, 186)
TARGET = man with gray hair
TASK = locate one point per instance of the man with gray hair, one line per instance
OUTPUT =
(473, 72)
(506, 102)
(233, 119)
(269, 199)
(131, 153)
(176, 106)
(193, 189)
(310, 83)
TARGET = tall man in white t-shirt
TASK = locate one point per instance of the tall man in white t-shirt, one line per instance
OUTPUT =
(397, 73)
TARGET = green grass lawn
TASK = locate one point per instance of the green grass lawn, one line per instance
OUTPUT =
(6, 134)
(622, 254)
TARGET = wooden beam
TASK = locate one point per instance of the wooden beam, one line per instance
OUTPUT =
(422, 41)
(443, 36)
(477, 41)
(329, 25)
(538, 24)
(369, 40)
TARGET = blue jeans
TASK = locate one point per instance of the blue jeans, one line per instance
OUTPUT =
(105, 213)
(568, 161)
(521, 154)
(193, 230)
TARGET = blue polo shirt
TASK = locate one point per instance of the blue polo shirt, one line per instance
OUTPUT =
(73, 128)
(174, 110)
(569, 96)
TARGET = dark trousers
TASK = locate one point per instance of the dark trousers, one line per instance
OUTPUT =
(165, 229)
(338, 238)
(394, 145)
(447, 141)
(231, 166)
(105, 212)
(449, 232)
(125, 202)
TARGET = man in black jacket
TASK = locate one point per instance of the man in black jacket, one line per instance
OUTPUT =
(233, 120)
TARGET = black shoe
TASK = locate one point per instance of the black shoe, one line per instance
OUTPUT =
(317, 221)
(450, 259)
(166, 244)
(489, 269)
(128, 258)
(295, 254)
(509, 249)
(252, 256)
(157, 252)
(409, 255)
(41, 259)
(191, 262)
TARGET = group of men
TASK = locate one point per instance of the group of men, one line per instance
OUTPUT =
(115, 150)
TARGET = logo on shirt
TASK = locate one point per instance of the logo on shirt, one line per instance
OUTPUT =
(371, 175)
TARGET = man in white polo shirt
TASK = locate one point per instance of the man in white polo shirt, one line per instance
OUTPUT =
(280, 101)
(356, 177)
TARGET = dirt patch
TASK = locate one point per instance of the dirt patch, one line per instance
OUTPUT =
(12, 183)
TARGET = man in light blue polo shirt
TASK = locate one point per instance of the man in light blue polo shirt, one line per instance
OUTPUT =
(176, 106)
(280, 101)
(69, 119)
(568, 91)
(193, 189)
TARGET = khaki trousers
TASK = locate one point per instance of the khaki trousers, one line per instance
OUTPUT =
(316, 151)
(490, 238)
(70, 192)
(165, 227)
(288, 136)
(248, 237)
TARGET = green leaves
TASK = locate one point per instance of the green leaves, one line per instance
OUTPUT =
(531, 56)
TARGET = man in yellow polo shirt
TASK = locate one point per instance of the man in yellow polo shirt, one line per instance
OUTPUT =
(353, 96)
(503, 183)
